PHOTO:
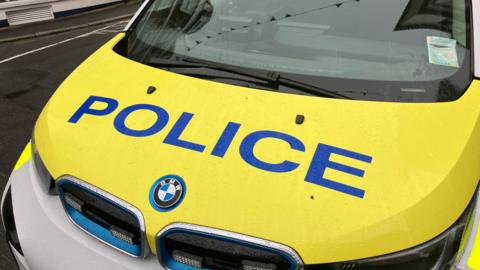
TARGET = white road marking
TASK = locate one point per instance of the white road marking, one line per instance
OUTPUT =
(99, 31)
(113, 29)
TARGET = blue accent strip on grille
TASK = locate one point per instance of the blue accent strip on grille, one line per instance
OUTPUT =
(168, 261)
(101, 233)
(92, 227)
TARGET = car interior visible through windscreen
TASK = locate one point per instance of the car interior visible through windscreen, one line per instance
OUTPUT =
(385, 50)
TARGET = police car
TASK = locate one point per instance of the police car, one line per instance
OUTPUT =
(261, 135)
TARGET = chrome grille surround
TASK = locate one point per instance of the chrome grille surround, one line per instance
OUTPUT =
(103, 194)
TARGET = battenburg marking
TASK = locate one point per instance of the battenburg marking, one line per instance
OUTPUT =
(167, 192)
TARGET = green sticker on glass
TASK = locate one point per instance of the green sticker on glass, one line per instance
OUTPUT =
(442, 51)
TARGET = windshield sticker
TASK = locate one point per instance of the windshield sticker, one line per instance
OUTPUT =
(442, 51)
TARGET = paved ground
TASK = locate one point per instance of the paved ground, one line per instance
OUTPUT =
(27, 82)
(80, 20)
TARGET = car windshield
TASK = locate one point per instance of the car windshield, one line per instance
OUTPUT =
(385, 50)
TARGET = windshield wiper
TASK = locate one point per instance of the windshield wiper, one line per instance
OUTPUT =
(273, 78)
(250, 81)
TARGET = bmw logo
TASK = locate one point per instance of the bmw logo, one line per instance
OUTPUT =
(167, 192)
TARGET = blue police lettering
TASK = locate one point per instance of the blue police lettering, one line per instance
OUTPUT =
(86, 108)
(321, 161)
(160, 123)
(247, 145)
(173, 137)
(316, 170)
(225, 139)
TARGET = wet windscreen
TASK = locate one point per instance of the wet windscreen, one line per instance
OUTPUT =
(387, 50)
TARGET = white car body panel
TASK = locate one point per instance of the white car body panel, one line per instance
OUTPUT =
(46, 233)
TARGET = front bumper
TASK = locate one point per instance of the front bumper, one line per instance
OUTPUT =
(49, 240)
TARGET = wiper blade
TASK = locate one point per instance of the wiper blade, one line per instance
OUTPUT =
(272, 77)
(183, 62)
(250, 79)
(275, 79)
(165, 62)
(308, 88)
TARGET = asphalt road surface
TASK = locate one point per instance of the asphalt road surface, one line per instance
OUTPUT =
(30, 72)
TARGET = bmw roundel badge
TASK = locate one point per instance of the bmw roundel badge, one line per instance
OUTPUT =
(167, 192)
